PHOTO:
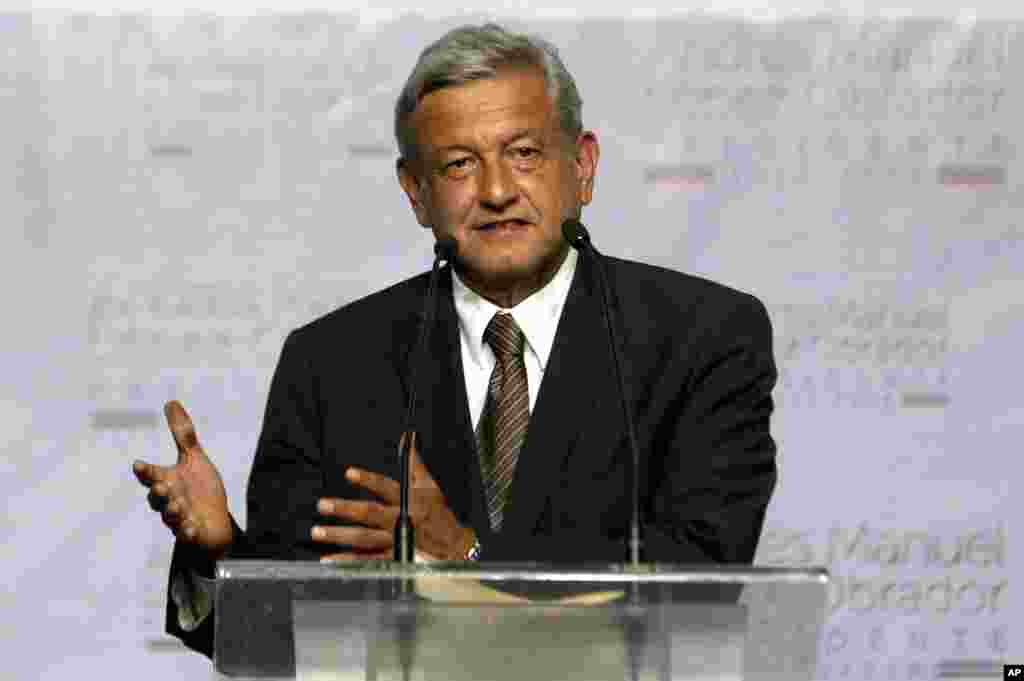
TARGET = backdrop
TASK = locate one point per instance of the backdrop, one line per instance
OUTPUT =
(178, 192)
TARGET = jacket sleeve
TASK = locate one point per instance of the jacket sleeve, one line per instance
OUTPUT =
(719, 464)
(284, 485)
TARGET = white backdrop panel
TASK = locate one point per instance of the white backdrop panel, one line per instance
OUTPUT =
(179, 192)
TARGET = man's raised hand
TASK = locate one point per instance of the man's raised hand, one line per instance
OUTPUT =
(189, 495)
(438, 533)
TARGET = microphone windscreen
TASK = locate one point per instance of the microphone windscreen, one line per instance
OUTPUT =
(575, 233)
(446, 248)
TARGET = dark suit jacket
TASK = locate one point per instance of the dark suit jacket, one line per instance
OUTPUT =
(698, 360)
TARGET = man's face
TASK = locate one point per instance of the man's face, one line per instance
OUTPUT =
(495, 172)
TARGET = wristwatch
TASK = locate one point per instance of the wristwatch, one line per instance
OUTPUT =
(474, 550)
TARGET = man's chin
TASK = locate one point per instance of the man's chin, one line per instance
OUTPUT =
(504, 276)
(508, 274)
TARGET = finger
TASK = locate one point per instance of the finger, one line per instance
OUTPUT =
(167, 488)
(381, 485)
(356, 556)
(181, 428)
(174, 518)
(174, 512)
(146, 473)
(359, 538)
(156, 502)
(415, 465)
(368, 513)
(186, 531)
(161, 488)
(421, 477)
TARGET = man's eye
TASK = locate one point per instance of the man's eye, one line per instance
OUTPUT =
(458, 168)
(526, 152)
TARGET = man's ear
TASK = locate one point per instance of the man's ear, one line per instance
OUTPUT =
(413, 188)
(588, 152)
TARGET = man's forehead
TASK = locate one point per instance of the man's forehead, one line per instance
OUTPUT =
(509, 101)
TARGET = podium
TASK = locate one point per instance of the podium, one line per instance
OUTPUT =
(448, 621)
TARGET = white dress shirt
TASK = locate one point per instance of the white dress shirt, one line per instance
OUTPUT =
(537, 316)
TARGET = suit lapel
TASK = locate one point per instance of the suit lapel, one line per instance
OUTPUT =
(562, 406)
(447, 443)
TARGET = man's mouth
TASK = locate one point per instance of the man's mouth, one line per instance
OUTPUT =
(502, 225)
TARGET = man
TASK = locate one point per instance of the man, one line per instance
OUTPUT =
(524, 451)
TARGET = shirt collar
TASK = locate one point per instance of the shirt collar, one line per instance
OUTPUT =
(537, 315)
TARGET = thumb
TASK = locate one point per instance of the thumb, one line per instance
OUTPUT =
(409, 439)
(182, 429)
(419, 473)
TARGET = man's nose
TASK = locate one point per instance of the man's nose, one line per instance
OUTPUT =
(498, 188)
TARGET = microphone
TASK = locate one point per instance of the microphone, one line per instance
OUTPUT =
(577, 236)
(404, 538)
(446, 248)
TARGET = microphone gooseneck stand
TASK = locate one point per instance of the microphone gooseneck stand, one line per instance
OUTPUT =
(634, 615)
(404, 538)
(576, 234)
(404, 607)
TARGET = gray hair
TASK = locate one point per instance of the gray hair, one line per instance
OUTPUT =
(472, 53)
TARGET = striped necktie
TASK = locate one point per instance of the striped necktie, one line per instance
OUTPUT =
(502, 428)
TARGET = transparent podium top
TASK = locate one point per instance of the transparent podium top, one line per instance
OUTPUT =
(459, 620)
(614, 573)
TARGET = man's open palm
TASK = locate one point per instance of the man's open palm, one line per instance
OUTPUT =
(189, 495)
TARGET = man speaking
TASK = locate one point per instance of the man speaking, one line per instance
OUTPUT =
(521, 450)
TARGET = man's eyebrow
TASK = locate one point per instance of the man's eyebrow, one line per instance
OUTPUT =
(507, 138)
(452, 147)
(516, 135)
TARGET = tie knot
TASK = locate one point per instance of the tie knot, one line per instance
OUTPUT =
(504, 336)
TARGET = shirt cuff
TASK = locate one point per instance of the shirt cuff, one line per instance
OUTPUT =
(193, 595)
